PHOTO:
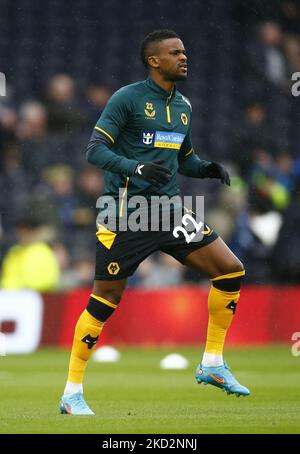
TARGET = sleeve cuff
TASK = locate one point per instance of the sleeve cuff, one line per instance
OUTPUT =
(131, 167)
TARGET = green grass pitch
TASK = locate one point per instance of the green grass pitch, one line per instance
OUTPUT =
(134, 396)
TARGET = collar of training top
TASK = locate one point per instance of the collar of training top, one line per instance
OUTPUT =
(154, 86)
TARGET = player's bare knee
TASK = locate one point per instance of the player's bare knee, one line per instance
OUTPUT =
(113, 296)
(231, 280)
(236, 266)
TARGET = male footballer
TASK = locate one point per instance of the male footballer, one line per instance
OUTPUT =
(141, 140)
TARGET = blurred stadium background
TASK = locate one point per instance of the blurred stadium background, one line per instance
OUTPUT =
(62, 61)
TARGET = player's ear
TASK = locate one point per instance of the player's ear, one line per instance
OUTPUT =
(153, 61)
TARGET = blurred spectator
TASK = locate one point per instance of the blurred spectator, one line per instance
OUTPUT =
(83, 268)
(31, 263)
(264, 179)
(76, 271)
(251, 132)
(290, 15)
(267, 64)
(59, 195)
(67, 279)
(288, 170)
(97, 97)
(257, 238)
(89, 187)
(292, 51)
(256, 233)
(8, 124)
(14, 186)
(33, 121)
(222, 216)
(32, 136)
(275, 65)
(64, 114)
(285, 257)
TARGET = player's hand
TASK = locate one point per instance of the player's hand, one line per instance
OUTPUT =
(153, 172)
(216, 170)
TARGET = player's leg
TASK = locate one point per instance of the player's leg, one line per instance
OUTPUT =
(118, 255)
(103, 301)
(226, 272)
(214, 259)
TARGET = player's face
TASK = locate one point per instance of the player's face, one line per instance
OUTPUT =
(171, 59)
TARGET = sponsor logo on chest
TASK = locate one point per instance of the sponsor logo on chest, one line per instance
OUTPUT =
(163, 139)
(148, 138)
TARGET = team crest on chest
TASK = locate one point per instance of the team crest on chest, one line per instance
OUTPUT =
(184, 119)
(149, 111)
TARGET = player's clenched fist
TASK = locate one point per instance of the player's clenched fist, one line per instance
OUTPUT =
(153, 172)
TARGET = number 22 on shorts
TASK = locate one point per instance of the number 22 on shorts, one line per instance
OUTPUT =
(188, 236)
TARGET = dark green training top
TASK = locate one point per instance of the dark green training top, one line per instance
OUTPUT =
(142, 122)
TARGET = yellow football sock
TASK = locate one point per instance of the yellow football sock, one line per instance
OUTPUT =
(221, 307)
(87, 331)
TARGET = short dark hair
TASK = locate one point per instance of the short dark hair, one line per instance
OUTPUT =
(155, 36)
(29, 222)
